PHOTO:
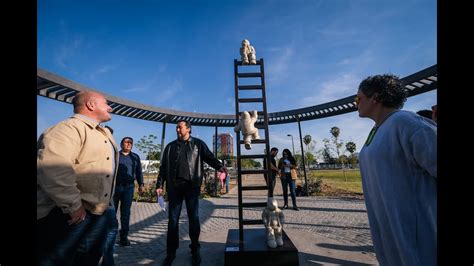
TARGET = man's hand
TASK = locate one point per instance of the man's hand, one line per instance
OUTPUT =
(77, 216)
(140, 189)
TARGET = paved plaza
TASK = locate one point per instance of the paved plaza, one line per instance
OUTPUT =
(326, 230)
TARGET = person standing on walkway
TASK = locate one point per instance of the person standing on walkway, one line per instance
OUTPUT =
(182, 167)
(275, 170)
(398, 165)
(286, 163)
(76, 164)
(227, 178)
(129, 170)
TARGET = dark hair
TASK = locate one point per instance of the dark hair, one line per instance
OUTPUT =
(387, 89)
(290, 156)
(110, 129)
(425, 113)
(130, 138)
(274, 149)
(188, 124)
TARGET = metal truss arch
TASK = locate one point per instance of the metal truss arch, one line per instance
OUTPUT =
(58, 88)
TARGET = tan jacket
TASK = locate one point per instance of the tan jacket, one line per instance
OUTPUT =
(74, 164)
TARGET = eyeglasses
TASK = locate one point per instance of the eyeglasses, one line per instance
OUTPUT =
(357, 100)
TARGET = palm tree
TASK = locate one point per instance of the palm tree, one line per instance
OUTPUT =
(335, 131)
(351, 148)
(307, 141)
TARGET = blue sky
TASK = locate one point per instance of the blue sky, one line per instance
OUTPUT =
(179, 55)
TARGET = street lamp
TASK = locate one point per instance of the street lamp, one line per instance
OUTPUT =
(292, 143)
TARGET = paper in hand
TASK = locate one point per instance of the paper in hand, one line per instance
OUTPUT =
(161, 202)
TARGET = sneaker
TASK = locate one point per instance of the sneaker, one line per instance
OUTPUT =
(285, 206)
(296, 208)
(124, 242)
(196, 259)
(169, 259)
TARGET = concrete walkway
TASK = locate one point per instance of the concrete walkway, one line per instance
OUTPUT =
(326, 230)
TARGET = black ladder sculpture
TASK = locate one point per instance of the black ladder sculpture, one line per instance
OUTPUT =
(250, 245)
(266, 167)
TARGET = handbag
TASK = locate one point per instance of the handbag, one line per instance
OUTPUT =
(294, 174)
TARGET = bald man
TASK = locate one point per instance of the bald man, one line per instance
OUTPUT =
(77, 162)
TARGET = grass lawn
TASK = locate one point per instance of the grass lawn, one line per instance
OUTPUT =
(336, 180)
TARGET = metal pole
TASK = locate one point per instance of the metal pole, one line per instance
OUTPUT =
(292, 143)
(215, 170)
(302, 157)
(163, 133)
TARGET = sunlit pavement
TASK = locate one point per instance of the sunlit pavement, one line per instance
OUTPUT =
(326, 230)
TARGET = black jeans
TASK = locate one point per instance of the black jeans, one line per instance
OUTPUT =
(123, 195)
(285, 182)
(272, 182)
(58, 243)
(176, 195)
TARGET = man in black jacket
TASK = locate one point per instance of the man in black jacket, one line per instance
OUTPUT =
(182, 168)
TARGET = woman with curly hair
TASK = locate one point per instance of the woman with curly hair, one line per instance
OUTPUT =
(398, 165)
(286, 164)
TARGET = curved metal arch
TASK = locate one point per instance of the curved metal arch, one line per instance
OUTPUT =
(58, 88)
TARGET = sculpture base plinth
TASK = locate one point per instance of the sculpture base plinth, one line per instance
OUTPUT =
(253, 250)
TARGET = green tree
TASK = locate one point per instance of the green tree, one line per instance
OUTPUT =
(148, 146)
(335, 131)
(326, 152)
(310, 158)
(249, 163)
(307, 140)
(351, 148)
(310, 150)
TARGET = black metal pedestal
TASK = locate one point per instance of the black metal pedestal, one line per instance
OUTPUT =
(254, 249)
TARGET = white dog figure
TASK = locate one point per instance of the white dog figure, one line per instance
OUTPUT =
(247, 53)
(247, 126)
(273, 219)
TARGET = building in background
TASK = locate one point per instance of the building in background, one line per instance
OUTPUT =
(150, 166)
(225, 144)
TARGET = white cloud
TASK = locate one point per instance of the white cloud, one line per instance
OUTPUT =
(101, 70)
(339, 87)
(279, 68)
(167, 92)
(66, 51)
(155, 81)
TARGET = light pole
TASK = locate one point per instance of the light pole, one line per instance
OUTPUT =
(292, 143)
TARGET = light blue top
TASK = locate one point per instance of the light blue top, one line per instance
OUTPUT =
(399, 179)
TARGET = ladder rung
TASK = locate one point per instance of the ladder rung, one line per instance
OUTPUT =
(250, 87)
(248, 222)
(253, 156)
(255, 188)
(239, 63)
(256, 141)
(249, 75)
(250, 100)
(260, 113)
(254, 171)
(254, 204)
